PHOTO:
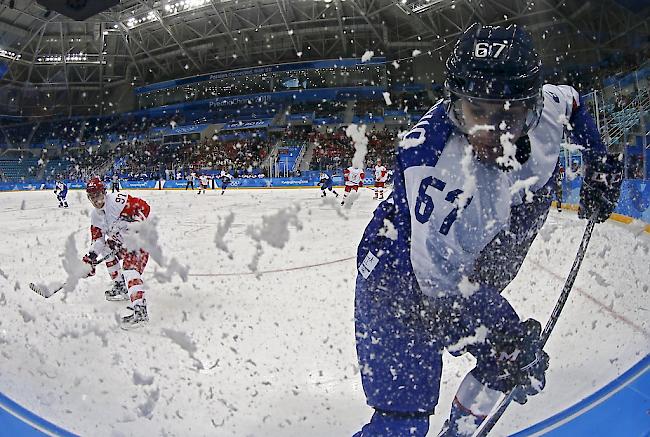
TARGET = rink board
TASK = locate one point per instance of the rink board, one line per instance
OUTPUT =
(619, 408)
(18, 421)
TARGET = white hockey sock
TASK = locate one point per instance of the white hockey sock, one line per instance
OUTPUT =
(135, 286)
(114, 270)
(472, 404)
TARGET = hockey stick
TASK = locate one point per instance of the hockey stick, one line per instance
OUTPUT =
(498, 411)
(47, 293)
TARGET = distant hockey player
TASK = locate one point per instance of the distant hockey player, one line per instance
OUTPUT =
(190, 180)
(353, 180)
(473, 182)
(226, 180)
(61, 191)
(381, 175)
(326, 183)
(559, 180)
(115, 183)
(108, 222)
(203, 183)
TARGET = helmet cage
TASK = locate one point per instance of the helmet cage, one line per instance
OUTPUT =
(533, 110)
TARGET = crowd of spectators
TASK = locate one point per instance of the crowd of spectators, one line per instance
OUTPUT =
(147, 160)
(334, 149)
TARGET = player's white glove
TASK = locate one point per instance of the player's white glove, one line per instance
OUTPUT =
(91, 258)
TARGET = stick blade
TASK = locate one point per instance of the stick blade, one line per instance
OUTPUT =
(40, 290)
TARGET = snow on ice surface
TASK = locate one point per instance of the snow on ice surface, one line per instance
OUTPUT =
(235, 352)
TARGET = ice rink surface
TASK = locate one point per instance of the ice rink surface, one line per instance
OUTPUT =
(270, 351)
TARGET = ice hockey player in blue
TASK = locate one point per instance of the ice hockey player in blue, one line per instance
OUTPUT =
(472, 187)
(226, 179)
(326, 183)
(61, 191)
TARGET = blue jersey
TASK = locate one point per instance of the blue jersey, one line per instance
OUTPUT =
(226, 178)
(326, 182)
(454, 219)
(61, 189)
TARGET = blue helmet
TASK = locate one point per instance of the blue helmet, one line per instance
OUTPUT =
(495, 63)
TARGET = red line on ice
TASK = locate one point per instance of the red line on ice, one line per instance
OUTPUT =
(288, 269)
(602, 306)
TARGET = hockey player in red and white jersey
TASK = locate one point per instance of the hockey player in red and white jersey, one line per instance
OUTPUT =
(108, 222)
(353, 180)
(381, 175)
(203, 183)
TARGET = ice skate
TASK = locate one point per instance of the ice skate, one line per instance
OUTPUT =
(137, 318)
(118, 292)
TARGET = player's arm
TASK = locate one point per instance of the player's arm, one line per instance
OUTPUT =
(135, 209)
(603, 176)
(97, 242)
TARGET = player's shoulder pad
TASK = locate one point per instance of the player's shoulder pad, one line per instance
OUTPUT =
(564, 98)
(424, 143)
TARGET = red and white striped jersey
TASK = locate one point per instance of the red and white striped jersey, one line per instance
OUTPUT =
(354, 176)
(119, 208)
(381, 174)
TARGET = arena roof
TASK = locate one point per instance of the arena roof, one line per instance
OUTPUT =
(145, 41)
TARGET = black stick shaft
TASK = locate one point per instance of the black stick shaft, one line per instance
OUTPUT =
(492, 419)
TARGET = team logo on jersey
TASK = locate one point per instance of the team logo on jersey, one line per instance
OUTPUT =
(555, 97)
(368, 265)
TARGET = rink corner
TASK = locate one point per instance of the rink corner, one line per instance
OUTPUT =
(620, 408)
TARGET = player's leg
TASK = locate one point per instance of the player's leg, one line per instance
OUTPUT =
(507, 353)
(322, 191)
(58, 197)
(134, 264)
(348, 188)
(400, 364)
(498, 265)
(118, 290)
(65, 200)
(376, 190)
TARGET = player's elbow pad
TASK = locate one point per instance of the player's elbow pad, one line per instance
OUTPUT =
(585, 131)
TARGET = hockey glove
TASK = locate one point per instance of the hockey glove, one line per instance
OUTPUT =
(601, 188)
(114, 241)
(519, 361)
(91, 258)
